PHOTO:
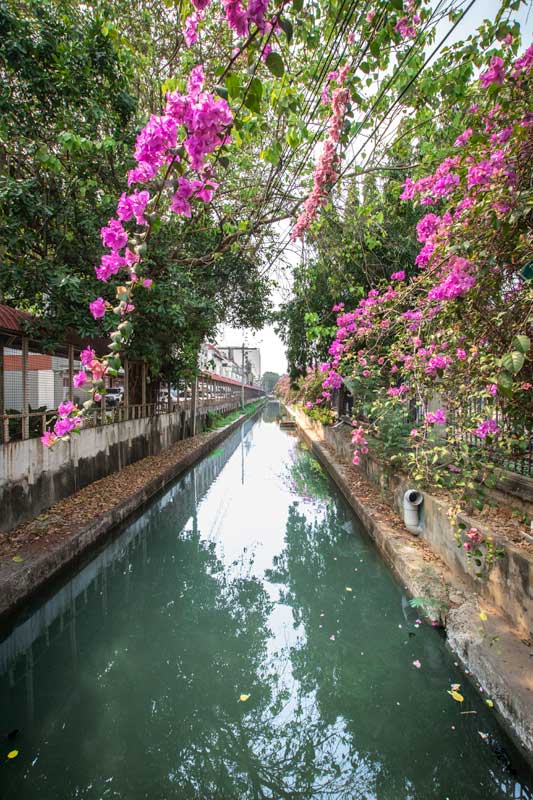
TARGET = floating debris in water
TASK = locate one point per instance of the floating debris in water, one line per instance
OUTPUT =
(349, 589)
(13, 754)
(456, 695)
(489, 703)
(243, 698)
(417, 664)
(332, 637)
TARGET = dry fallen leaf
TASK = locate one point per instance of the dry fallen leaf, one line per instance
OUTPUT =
(456, 696)
(13, 754)
(243, 698)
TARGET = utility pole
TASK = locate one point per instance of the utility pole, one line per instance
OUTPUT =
(242, 378)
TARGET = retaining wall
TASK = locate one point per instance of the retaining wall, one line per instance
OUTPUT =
(33, 477)
(508, 584)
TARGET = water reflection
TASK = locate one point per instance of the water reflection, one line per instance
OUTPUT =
(126, 682)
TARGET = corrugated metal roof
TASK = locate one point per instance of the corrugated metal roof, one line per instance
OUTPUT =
(11, 318)
(223, 379)
(11, 322)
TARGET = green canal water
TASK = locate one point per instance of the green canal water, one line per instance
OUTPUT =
(242, 640)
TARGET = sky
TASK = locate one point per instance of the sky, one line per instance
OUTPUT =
(272, 349)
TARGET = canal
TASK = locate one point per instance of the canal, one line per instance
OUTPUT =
(242, 639)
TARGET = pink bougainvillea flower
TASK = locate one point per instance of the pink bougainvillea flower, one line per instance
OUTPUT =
(398, 276)
(65, 408)
(496, 73)
(114, 236)
(110, 264)
(98, 307)
(48, 439)
(463, 137)
(487, 428)
(437, 417)
(87, 355)
(64, 425)
(474, 535)
(79, 379)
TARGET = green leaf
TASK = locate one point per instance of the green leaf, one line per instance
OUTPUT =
(222, 91)
(286, 26)
(254, 95)
(233, 85)
(513, 362)
(274, 63)
(375, 48)
(298, 5)
(522, 343)
(505, 381)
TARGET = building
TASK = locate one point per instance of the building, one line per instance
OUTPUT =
(252, 361)
(212, 359)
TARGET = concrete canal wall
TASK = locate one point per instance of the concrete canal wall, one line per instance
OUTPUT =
(40, 564)
(508, 583)
(33, 478)
(495, 649)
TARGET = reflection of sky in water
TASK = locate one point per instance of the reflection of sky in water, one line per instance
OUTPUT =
(125, 683)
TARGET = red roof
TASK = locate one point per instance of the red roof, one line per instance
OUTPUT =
(11, 321)
(222, 379)
(11, 318)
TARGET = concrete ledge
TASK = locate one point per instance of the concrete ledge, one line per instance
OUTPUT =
(18, 584)
(504, 669)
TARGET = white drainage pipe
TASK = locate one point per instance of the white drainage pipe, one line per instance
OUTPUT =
(412, 500)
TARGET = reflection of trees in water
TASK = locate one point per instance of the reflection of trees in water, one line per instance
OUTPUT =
(305, 476)
(272, 411)
(271, 746)
(395, 726)
(153, 703)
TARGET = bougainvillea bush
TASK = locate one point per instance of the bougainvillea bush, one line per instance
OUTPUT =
(450, 346)
(308, 392)
(251, 128)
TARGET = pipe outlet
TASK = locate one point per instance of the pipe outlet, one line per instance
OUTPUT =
(412, 501)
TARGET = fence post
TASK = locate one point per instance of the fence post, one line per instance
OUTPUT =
(71, 372)
(143, 389)
(25, 420)
(126, 399)
(194, 403)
